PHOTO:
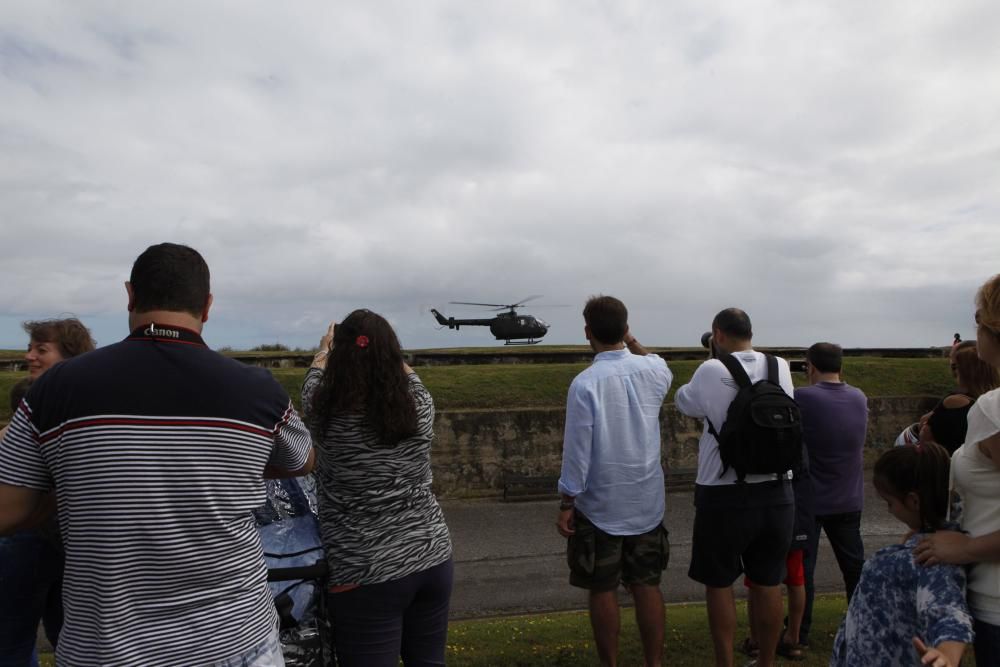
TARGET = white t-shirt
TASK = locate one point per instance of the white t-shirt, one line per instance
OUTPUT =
(977, 480)
(709, 394)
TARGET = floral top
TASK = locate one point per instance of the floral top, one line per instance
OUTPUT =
(898, 599)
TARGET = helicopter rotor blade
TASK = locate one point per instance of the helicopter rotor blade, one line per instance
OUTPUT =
(499, 306)
(525, 300)
(471, 303)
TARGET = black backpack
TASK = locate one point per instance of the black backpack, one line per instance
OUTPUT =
(762, 434)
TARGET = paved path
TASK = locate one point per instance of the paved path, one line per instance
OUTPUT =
(510, 559)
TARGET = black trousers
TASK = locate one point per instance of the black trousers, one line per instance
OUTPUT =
(844, 533)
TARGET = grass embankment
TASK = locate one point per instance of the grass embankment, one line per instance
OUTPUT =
(564, 639)
(505, 387)
(502, 386)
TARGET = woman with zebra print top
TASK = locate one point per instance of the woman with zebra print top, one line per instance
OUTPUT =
(387, 545)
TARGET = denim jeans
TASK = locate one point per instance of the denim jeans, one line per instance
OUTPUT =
(844, 533)
(31, 567)
(265, 654)
(375, 625)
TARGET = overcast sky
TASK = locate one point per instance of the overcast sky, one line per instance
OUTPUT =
(833, 167)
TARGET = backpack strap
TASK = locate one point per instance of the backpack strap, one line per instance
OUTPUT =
(772, 369)
(739, 374)
(774, 378)
(736, 369)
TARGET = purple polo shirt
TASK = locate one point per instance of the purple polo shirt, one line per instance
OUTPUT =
(834, 426)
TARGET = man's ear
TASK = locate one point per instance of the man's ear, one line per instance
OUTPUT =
(131, 296)
(719, 338)
(586, 331)
(208, 305)
(912, 501)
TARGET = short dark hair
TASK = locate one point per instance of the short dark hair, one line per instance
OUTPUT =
(826, 357)
(170, 277)
(69, 335)
(607, 318)
(19, 391)
(733, 322)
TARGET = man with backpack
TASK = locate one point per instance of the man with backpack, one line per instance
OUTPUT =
(744, 504)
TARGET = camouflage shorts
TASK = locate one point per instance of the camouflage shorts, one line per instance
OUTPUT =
(598, 561)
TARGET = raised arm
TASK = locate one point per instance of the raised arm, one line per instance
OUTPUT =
(633, 345)
(293, 453)
(690, 398)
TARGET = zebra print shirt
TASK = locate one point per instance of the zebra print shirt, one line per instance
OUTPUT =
(379, 519)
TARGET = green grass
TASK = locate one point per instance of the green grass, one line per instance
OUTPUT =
(503, 386)
(512, 386)
(564, 639)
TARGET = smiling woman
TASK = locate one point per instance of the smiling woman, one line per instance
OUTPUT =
(51, 341)
(31, 561)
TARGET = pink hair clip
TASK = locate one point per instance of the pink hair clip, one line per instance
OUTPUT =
(361, 341)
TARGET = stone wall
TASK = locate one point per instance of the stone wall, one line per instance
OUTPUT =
(475, 450)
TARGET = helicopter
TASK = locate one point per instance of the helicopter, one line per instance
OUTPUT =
(509, 327)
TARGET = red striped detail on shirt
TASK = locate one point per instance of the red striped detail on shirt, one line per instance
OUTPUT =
(146, 421)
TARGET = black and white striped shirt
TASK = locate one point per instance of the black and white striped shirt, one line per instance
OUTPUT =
(156, 448)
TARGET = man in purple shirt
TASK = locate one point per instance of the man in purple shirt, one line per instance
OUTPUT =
(834, 426)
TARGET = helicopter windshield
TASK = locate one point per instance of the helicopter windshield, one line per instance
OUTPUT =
(542, 322)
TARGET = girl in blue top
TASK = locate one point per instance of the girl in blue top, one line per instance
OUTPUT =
(903, 613)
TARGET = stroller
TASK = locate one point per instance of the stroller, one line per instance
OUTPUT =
(289, 534)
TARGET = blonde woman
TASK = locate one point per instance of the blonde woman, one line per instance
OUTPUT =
(976, 479)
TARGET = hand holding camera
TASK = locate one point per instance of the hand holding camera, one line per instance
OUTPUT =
(325, 345)
(708, 343)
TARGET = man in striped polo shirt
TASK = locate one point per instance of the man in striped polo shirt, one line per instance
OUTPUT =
(156, 448)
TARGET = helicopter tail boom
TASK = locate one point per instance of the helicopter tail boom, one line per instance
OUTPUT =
(442, 320)
(452, 323)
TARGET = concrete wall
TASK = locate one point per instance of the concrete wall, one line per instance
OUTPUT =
(475, 450)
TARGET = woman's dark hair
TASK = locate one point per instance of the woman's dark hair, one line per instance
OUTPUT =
(921, 469)
(69, 335)
(975, 375)
(364, 375)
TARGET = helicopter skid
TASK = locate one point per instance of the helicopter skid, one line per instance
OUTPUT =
(522, 342)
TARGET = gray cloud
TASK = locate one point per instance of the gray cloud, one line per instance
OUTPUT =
(833, 169)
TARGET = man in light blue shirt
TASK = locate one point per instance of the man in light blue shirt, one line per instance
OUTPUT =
(612, 480)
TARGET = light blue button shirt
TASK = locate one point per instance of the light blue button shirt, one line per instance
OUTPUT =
(611, 448)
